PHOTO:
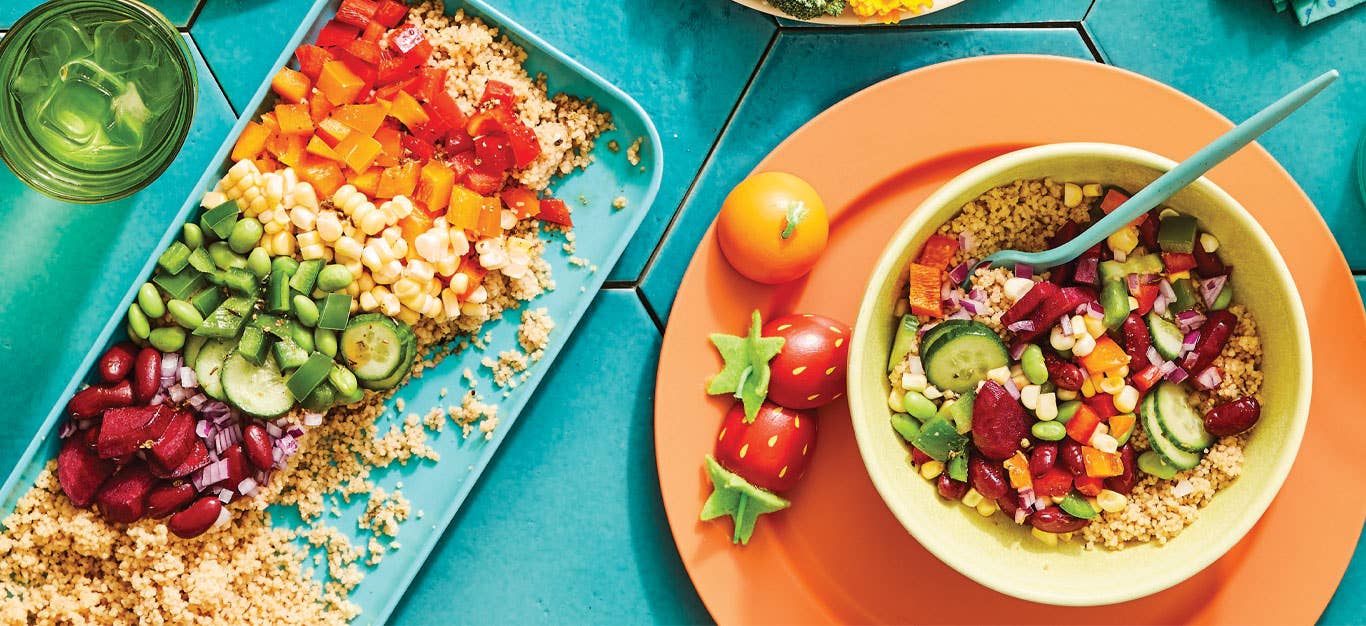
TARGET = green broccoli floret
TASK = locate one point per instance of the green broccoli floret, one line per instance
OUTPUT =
(809, 9)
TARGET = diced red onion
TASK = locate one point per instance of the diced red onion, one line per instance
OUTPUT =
(1209, 378)
(1210, 289)
(187, 378)
(294, 431)
(1066, 323)
(288, 445)
(966, 242)
(225, 495)
(1095, 310)
(1164, 287)
(1167, 367)
(224, 518)
(1191, 338)
(313, 419)
(178, 394)
(1020, 515)
(156, 400)
(203, 428)
(1189, 320)
(197, 400)
(1132, 281)
(960, 314)
(212, 473)
(1086, 270)
(946, 290)
(914, 365)
(247, 485)
(263, 477)
(1012, 389)
(1017, 350)
(1177, 375)
(972, 307)
(227, 438)
(1160, 303)
(977, 294)
(1024, 270)
(1022, 326)
(1153, 356)
(274, 431)
(1183, 488)
(67, 429)
(170, 364)
(279, 456)
(960, 273)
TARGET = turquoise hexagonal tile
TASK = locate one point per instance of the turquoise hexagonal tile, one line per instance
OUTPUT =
(1237, 60)
(178, 11)
(996, 12)
(686, 65)
(1348, 605)
(86, 256)
(1361, 286)
(241, 40)
(567, 525)
(794, 84)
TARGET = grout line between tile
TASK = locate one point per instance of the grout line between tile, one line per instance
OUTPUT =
(650, 310)
(620, 284)
(214, 76)
(1088, 10)
(711, 151)
(194, 15)
(1090, 43)
(914, 26)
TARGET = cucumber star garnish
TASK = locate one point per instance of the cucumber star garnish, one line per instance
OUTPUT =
(736, 497)
(746, 373)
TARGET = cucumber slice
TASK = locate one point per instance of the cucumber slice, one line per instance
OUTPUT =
(1167, 337)
(193, 344)
(409, 355)
(208, 367)
(255, 389)
(1180, 423)
(938, 331)
(375, 349)
(905, 335)
(1174, 456)
(960, 357)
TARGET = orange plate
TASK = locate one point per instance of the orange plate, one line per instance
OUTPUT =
(838, 555)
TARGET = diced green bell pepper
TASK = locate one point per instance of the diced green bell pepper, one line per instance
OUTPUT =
(958, 467)
(960, 411)
(1185, 295)
(253, 345)
(1177, 234)
(181, 284)
(1114, 298)
(305, 379)
(905, 335)
(335, 312)
(175, 257)
(307, 274)
(939, 439)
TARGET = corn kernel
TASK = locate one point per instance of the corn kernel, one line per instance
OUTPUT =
(1181, 275)
(1123, 240)
(1000, 374)
(450, 303)
(1104, 442)
(460, 283)
(271, 227)
(1016, 288)
(389, 304)
(914, 382)
(303, 218)
(401, 249)
(1066, 395)
(1071, 195)
(390, 272)
(315, 251)
(328, 225)
(422, 271)
(283, 243)
(1066, 536)
(480, 295)
(348, 248)
(1167, 212)
(1092, 190)
(897, 401)
(371, 221)
(433, 244)
(303, 195)
(930, 470)
(1047, 408)
(408, 316)
(447, 266)
(1208, 243)
(932, 392)
(1084, 345)
(368, 301)
(1127, 399)
(986, 508)
(308, 238)
(1094, 326)
(406, 288)
(1059, 340)
(1112, 501)
(1087, 389)
(256, 205)
(354, 267)
(1111, 385)
(213, 199)
(274, 189)
(433, 308)
(352, 289)
(972, 498)
(1047, 538)
(1029, 396)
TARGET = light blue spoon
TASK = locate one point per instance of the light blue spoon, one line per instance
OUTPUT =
(1167, 184)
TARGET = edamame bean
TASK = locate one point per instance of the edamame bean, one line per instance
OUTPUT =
(185, 314)
(343, 380)
(167, 338)
(1049, 431)
(150, 301)
(918, 405)
(1033, 365)
(303, 337)
(325, 341)
(245, 234)
(908, 428)
(1067, 410)
(258, 262)
(334, 277)
(192, 235)
(224, 257)
(138, 325)
(321, 398)
(305, 310)
(284, 265)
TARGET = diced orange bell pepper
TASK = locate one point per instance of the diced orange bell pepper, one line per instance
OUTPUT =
(464, 208)
(1101, 464)
(333, 132)
(555, 211)
(319, 107)
(1122, 424)
(316, 146)
(938, 251)
(407, 110)
(267, 164)
(292, 149)
(291, 85)
(415, 224)
(398, 180)
(490, 219)
(1088, 485)
(1112, 199)
(1106, 357)
(924, 285)
(434, 186)
(521, 201)
(368, 181)
(1146, 378)
(1083, 424)
(293, 119)
(251, 142)
(268, 120)
(358, 152)
(390, 145)
(474, 274)
(1017, 468)
(339, 84)
(364, 118)
(311, 59)
(324, 174)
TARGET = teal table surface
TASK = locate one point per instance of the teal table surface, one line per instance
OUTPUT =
(535, 543)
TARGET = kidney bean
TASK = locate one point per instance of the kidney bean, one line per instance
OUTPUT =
(1208, 263)
(1009, 503)
(918, 457)
(1136, 341)
(1231, 418)
(1052, 519)
(1147, 231)
(196, 518)
(950, 488)
(169, 498)
(1213, 335)
(93, 400)
(116, 363)
(256, 442)
(147, 374)
(1124, 482)
(1042, 458)
(1063, 374)
(1070, 453)
(989, 479)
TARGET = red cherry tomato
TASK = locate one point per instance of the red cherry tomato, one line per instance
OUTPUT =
(773, 451)
(809, 372)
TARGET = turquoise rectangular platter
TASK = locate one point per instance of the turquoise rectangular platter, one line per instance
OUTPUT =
(439, 489)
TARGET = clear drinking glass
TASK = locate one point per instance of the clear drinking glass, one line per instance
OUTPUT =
(96, 98)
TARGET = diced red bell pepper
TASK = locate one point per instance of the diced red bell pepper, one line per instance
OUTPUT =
(483, 183)
(1146, 378)
(311, 60)
(374, 31)
(524, 143)
(938, 251)
(390, 13)
(367, 72)
(556, 211)
(1101, 464)
(1083, 424)
(417, 147)
(1056, 482)
(429, 82)
(357, 12)
(462, 163)
(1103, 404)
(336, 33)
(494, 121)
(457, 141)
(1146, 296)
(443, 109)
(1113, 198)
(924, 285)
(431, 132)
(1178, 262)
(1088, 485)
(521, 201)
(411, 43)
(367, 51)
(499, 91)
(492, 154)
(393, 68)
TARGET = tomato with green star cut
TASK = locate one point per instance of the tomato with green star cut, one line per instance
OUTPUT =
(809, 371)
(754, 461)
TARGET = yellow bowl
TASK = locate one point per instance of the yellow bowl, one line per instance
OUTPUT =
(1003, 556)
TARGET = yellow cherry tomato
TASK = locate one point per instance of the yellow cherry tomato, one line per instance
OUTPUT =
(772, 227)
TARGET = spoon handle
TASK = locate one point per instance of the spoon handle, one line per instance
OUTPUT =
(1201, 162)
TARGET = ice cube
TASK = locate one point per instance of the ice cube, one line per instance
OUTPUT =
(129, 125)
(120, 46)
(62, 40)
(34, 78)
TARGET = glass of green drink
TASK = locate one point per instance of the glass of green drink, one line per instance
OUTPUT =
(96, 98)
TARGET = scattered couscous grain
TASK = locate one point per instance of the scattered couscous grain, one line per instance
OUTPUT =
(619, 202)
